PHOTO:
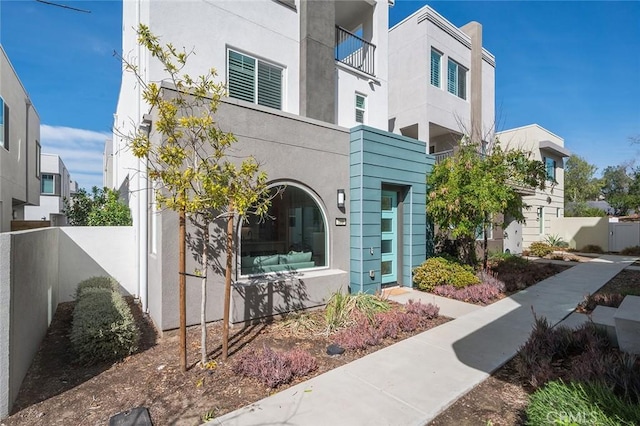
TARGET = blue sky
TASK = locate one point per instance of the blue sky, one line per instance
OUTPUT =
(572, 67)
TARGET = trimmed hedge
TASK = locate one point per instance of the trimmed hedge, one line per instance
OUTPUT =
(438, 271)
(96, 282)
(103, 327)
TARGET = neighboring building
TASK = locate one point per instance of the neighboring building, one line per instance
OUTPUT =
(55, 187)
(441, 82)
(442, 87)
(300, 74)
(543, 205)
(19, 147)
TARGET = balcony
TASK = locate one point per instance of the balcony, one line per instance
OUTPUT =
(354, 51)
(442, 155)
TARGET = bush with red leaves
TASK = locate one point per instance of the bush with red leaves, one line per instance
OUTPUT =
(274, 368)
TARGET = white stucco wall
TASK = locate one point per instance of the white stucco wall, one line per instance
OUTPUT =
(375, 88)
(412, 97)
(87, 251)
(39, 269)
(581, 231)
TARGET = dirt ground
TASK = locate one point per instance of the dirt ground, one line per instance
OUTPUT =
(57, 391)
(502, 398)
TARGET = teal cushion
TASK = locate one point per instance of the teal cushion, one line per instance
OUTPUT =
(250, 261)
(267, 260)
(298, 257)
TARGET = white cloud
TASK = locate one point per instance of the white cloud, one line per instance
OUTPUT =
(81, 151)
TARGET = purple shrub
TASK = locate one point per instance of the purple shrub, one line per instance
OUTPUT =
(409, 322)
(358, 337)
(490, 278)
(479, 293)
(274, 368)
(426, 312)
(387, 323)
(302, 363)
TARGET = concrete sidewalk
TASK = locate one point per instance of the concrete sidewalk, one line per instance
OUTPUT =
(410, 382)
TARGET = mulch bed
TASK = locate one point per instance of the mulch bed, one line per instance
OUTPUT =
(57, 391)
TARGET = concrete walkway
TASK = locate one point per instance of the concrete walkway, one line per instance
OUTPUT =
(412, 381)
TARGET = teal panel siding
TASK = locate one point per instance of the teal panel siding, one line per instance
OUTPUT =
(380, 158)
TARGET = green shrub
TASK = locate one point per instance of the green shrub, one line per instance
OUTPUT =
(103, 327)
(556, 241)
(592, 248)
(96, 282)
(540, 249)
(579, 404)
(631, 251)
(440, 271)
(341, 308)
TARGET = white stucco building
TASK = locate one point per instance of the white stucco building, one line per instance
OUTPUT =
(441, 80)
(544, 204)
(299, 75)
(55, 187)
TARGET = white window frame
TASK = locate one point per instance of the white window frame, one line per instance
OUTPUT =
(4, 136)
(325, 219)
(256, 88)
(546, 168)
(431, 68)
(358, 109)
(456, 82)
(541, 220)
(480, 236)
(42, 179)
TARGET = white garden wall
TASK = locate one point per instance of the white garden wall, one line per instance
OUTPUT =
(38, 270)
(581, 231)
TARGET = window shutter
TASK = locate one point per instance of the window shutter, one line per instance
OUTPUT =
(241, 76)
(269, 85)
(452, 75)
(360, 107)
(462, 83)
(435, 68)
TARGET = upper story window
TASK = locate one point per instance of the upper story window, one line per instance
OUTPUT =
(550, 166)
(47, 184)
(436, 66)
(360, 108)
(4, 124)
(253, 80)
(457, 79)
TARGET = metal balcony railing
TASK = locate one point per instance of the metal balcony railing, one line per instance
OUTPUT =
(442, 155)
(355, 52)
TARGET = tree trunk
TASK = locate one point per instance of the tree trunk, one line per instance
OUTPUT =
(203, 307)
(227, 286)
(485, 244)
(183, 286)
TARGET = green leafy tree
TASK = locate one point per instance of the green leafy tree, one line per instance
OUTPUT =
(580, 183)
(583, 210)
(101, 207)
(615, 188)
(190, 168)
(469, 191)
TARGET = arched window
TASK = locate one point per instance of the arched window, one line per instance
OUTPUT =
(290, 237)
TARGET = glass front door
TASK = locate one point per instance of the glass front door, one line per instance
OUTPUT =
(389, 237)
